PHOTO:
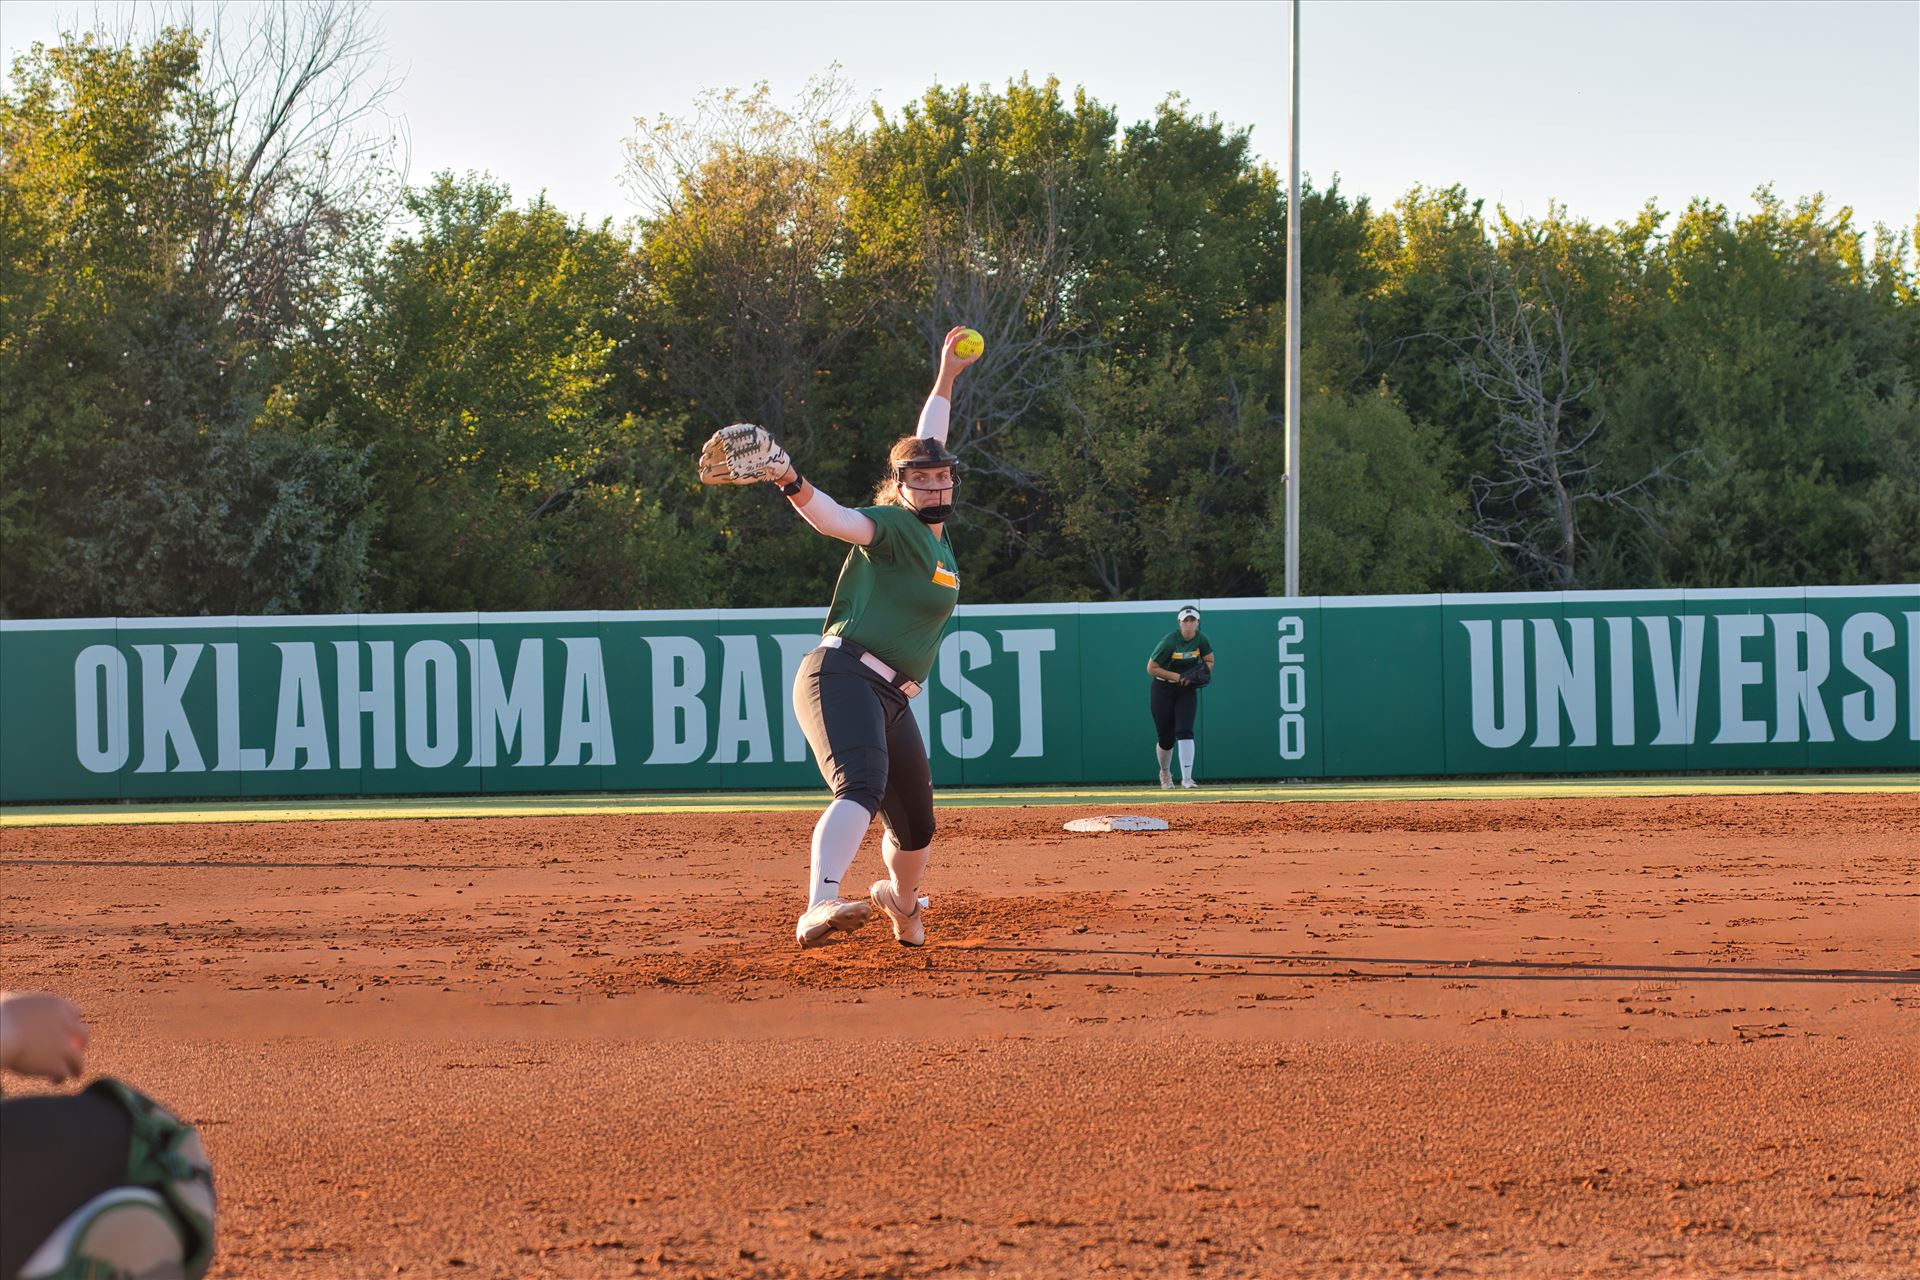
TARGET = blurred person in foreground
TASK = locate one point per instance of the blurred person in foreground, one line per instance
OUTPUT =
(101, 1183)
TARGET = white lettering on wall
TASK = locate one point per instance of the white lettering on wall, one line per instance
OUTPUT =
(433, 732)
(163, 711)
(355, 702)
(967, 732)
(743, 705)
(1737, 675)
(1560, 681)
(226, 706)
(1293, 689)
(1796, 684)
(1913, 676)
(1676, 687)
(679, 717)
(301, 722)
(1620, 680)
(1487, 726)
(506, 716)
(1533, 683)
(586, 718)
(100, 741)
(1867, 716)
(1027, 646)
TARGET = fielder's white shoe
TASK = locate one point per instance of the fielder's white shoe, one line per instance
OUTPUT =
(1189, 784)
(835, 915)
(1166, 780)
(908, 929)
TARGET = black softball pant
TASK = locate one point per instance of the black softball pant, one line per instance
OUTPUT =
(56, 1153)
(866, 742)
(1173, 707)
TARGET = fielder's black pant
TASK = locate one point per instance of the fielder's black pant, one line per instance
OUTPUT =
(1173, 707)
(56, 1153)
(866, 742)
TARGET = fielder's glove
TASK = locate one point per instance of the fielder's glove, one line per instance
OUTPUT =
(1196, 676)
(741, 454)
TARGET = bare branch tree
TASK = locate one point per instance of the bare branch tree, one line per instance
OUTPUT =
(1011, 276)
(293, 148)
(299, 133)
(1522, 356)
(746, 202)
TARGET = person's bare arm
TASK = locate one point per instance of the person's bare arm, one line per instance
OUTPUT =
(936, 414)
(847, 524)
(42, 1035)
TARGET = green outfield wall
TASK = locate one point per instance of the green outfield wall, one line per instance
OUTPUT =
(1576, 682)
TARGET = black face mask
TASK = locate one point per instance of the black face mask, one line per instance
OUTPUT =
(929, 514)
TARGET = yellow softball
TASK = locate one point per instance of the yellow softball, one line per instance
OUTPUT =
(969, 344)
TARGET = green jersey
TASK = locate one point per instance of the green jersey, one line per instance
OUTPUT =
(895, 595)
(1177, 655)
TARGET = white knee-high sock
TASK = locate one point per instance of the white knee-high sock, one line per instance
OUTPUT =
(1186, 758)
(905, 867)
(1166, 757)
(836, 839)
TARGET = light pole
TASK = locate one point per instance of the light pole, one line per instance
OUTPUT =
(1292, 479)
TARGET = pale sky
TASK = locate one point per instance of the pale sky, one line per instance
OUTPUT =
(1600, 105)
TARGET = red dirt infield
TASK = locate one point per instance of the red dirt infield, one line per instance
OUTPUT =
(1530, 1038)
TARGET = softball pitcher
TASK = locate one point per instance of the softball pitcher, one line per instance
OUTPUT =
(896, 591)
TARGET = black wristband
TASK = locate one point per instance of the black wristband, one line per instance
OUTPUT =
(791, 489)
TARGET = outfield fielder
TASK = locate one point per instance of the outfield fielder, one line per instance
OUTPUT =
(1181, 665)
(896, 591)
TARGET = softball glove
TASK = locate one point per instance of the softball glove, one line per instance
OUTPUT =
(741, 454)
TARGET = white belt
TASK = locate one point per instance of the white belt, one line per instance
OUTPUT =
(909, 687)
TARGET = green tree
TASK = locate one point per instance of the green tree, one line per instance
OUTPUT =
(481, 368)
(1378, 511)
(1781, 366)
(745, 304)
(225, 386)
(148, 293)
(1118, 274)
(1426, 253)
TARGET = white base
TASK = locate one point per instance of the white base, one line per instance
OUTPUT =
(1118, 822)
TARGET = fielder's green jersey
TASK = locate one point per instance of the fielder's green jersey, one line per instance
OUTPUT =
(894, 596)
(1176, 655)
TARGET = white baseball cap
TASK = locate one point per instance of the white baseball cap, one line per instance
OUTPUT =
(1188, 611)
